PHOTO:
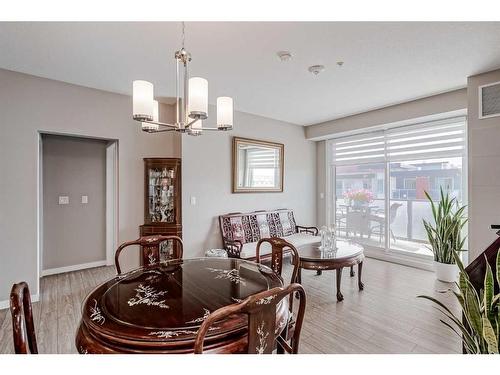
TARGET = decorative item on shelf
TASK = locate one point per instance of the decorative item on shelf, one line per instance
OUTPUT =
(194, 98)
(358, 198)
(479, 325)
(445, 235)
(162, 201)
(216, 253)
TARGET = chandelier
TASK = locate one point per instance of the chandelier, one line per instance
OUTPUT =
(191, 102)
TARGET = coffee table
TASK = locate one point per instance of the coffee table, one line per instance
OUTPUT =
(347, 254)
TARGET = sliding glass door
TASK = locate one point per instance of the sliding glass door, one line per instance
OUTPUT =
(379, 183)
(360, 202)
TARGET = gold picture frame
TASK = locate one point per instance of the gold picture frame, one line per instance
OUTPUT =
(257, 166)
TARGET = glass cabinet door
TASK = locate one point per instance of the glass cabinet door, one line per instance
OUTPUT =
(161, 194)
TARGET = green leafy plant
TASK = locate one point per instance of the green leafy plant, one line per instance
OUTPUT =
(445, 235)
(480, 328)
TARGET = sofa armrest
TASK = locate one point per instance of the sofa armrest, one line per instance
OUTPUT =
(233, 248)
(311, 230)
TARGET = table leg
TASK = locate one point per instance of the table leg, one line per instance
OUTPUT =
(319, 272)
(340, 297)
(360, 283)
(352, 271)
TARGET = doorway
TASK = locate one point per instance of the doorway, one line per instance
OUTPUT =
(78, 203)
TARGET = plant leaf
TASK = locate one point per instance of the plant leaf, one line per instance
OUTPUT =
(490, 336)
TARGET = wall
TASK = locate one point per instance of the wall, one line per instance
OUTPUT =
(432, 105)
(484, 168)
(321, 189)
(30, 105)
(75, 233)
(207, 176)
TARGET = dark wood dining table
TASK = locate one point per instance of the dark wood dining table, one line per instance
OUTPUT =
(159, 308)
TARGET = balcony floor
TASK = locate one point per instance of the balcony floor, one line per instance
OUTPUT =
(411, 247)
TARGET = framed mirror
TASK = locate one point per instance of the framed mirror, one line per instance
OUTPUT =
(257, 166)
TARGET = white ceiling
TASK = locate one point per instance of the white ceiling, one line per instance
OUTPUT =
(385, 63)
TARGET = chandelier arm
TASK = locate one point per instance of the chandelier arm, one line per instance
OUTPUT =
(210, 129)
(171, 126)
(162, 130)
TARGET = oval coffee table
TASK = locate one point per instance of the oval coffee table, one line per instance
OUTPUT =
(347, 254)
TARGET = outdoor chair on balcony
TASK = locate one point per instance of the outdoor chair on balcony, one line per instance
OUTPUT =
(378, 219)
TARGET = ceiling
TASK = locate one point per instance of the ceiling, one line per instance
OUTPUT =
(384, 63)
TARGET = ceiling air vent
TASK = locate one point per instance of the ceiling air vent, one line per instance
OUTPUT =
(489, 100)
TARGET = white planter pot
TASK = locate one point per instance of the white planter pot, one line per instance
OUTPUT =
(446, 272)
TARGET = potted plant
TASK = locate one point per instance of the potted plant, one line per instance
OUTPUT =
(359, 198)
(445, 235)
(480, 323)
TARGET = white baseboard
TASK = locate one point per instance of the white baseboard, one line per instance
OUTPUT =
(6, 304)
(410, 261)
(76, 267)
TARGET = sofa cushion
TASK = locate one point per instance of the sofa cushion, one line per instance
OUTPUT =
(241, 228)
(301, 239)
(249, 249)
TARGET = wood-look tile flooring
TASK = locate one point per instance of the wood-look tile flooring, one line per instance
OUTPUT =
(384, 318)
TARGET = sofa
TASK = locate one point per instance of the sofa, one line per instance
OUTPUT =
(241, 231)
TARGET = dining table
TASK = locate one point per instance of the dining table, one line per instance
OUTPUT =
(159, 308)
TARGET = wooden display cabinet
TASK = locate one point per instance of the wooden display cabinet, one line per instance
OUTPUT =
(162, 200)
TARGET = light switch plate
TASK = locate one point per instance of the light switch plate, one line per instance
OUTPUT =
(193, 201)
(321, 195)
(63, 200)
(85, 199)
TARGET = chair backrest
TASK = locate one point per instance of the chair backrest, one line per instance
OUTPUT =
(22, 319)
(150, 246)
(278, 247)
(393, 210)
(261, 311)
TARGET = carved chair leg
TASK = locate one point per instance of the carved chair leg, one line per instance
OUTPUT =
(360, 283)
(352, 271)
(340, 297)
(299, 281)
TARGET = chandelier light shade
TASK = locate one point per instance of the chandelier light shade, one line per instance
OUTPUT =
(191, 104)
(151, 127)
(142, 100)
(224, 113)
(198, 98)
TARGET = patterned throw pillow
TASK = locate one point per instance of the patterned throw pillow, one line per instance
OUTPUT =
(286, 224)
(262, 226)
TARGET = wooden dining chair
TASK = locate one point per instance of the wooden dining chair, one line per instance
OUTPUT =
(261, 311)
(150, 246)
(279, 247)
(22, 319)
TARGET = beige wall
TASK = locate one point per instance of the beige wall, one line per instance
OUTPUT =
(207, 176)
(73, 233)
(432, 105)
(484, 168)
(29, 105)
